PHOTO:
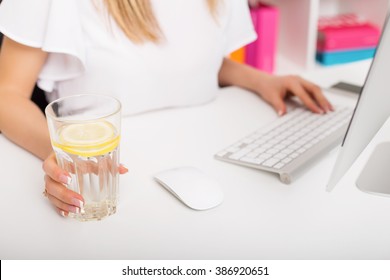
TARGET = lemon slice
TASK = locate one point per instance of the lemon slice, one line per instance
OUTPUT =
(87, 139)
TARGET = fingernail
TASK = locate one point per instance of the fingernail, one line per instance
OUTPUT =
(74, 210)
(65, 179)
(80, 204)
(82, 211)
(77, 202)
(62, 214)
(280, 112)
(123, 166)
(329, 108)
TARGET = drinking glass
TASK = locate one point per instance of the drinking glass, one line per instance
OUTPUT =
(85, 135)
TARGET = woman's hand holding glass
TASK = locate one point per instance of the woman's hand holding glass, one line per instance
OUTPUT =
(63, 199)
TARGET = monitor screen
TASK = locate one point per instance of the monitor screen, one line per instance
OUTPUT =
(372, 109)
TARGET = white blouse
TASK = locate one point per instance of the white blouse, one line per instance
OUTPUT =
(88, 52)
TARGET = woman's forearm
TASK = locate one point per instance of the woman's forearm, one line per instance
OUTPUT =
(23, 123)
(236, 74)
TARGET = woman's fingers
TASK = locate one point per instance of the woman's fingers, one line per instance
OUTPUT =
(56, 181)
(122, 169)
(279, 105)
(52, 169)
(308, 93)
(317, 94)
(62, 197)
(278, 88)
(304, 96)
(62, 212)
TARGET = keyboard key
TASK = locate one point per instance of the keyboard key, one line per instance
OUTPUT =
(265, 156)
(260, 150)
(272, 151)
(233, 149)
(252, 154)
(280, 156)
(271, 162)
(308, 146)
(252, 146)
(280, 146)
(287, 151)
(294, 155)
(294, 146)
(240, 153)
(222, 153)
(278, 165)
(252, 160)
(287, 142)
(260, 141)
(248, 140)
(266, 146)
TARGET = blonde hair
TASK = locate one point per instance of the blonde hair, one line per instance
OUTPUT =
(137, 20)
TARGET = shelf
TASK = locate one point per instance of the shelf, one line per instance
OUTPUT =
(298, 27)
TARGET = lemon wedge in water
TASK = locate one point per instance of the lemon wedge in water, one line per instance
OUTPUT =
(87, 139)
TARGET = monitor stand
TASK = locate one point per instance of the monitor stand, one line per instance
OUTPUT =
(375, 175)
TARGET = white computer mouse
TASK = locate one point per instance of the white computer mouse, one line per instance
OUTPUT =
(192, 187)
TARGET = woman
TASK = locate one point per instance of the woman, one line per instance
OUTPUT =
(149, 54)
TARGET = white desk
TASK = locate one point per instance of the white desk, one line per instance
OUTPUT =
(261, 218)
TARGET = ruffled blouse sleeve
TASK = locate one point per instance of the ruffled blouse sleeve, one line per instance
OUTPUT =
(53, 26)
(239, 29)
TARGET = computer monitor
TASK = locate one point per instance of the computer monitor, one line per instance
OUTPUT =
(371, 112)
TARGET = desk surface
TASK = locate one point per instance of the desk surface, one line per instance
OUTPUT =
(260, 218)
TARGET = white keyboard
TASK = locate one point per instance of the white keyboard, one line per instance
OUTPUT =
(290, 142)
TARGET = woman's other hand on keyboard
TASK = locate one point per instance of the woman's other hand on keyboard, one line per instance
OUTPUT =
(275, 89)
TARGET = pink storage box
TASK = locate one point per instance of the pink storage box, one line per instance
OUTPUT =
(346, 32)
